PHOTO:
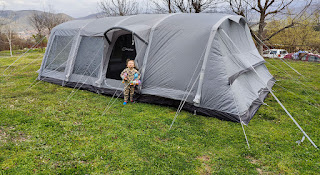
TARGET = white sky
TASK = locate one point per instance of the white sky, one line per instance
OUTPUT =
(74, 8)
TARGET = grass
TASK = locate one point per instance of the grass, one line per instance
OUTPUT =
(41, 134)
(6, 53)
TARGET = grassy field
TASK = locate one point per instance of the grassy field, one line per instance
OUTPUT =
(40, 133)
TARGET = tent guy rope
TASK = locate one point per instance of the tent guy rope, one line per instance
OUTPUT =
(185, 93)
(21, 57)
(83, 74)
(270, 90)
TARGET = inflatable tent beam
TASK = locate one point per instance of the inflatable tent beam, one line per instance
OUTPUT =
(122, 28)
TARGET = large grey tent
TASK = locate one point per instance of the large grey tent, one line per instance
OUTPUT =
(208, 59)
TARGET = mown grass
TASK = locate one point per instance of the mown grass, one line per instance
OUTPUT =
(40, 133)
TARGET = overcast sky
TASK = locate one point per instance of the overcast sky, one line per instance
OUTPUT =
(74, 8)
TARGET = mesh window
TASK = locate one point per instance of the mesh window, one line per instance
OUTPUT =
(59, 53)
(89, 56)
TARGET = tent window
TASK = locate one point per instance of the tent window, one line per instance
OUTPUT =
(89, 56)
(59, 53)
(122, 50)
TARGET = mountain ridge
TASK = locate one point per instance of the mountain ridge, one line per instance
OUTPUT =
(21, 21)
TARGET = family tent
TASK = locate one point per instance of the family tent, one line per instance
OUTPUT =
(209, 61)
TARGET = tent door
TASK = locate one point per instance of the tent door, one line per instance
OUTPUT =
(123, 49)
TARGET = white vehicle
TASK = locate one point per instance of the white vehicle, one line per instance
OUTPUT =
(274, 53)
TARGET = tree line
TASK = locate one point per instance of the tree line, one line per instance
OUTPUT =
(272, 22)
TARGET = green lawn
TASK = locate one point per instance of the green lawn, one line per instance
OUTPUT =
(40, 133)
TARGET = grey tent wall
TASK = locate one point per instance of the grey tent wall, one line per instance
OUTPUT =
(229, 97)
(213, 32)
(176, 48)
(146, 55)
(216, 94)
(51, 38)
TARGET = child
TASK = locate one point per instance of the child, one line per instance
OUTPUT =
(130, 77)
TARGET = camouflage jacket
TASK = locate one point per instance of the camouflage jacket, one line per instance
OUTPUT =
(129, 74)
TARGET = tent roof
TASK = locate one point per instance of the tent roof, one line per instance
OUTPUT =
(97, 27)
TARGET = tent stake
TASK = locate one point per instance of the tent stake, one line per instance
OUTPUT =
(293, 119)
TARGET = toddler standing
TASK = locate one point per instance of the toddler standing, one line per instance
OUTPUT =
(130, 77)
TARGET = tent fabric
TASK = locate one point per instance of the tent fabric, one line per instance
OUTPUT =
(211, 57)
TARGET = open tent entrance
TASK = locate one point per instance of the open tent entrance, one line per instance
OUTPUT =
(123, 49)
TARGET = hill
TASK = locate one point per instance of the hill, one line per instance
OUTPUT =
(21, 20)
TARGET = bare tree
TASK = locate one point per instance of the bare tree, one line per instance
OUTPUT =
(239, 7)
(7, 28)
(203, 5)
(119, 7)
(185, 6)
(44, 22)
(37, 21)
(265, 9)
(164, 6)
(51, 19)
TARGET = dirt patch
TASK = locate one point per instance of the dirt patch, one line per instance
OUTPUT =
(259, 170)
(21, 138)
(205, 169)
(3, 136)
(257, 162)
(77, 123)
(204, 158)
(253, 160)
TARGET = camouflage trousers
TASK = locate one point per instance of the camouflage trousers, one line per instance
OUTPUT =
(128, 90)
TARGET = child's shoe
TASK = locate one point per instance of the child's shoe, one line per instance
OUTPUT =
(132, 101)
(124, 103)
